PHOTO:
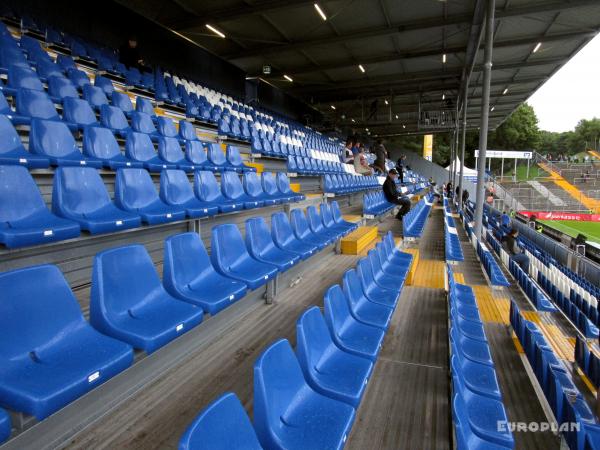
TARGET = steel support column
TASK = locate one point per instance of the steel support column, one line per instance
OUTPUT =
(485, 113)
(462, 146)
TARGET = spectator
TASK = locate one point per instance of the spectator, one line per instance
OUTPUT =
(380, 156)
(465, 196)
(129, 54)
(505, 222)
(516, 254)
(361, 165)
(400, 167)
(348, 155)
(449, 190)
(393, 196)
(356, 146)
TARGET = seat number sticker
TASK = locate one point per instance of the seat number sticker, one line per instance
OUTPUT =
(179, 327)
(94, 376)
(48, 233)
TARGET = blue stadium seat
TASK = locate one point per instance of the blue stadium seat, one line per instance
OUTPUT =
(105, 84)
(189, 275)
(5, 426)
(217, 158)
(222, 425)
(176, 190)
(122, 101)
(471, 349)
(337, 217)
(253, 188)
(129, 303)
(269, 186)
(187, 131)
(195, 154)
(478, 378)
(65, 62)
(113, 118)
(32, 103)
(288, 414)
(60, 87)
(327, 369)
(50, 355)
(262, 248)
(20, 77)
(79, 112)
(386, 280)
(139, 147)
(78, 77)
(79, 194)
(144, 105)
(303, 232)
(231, 258)
(24, 218)
(142, 123)
(166, 127)
(284, 237)
(315, 223)
(232, 189)
(207, 190)
(283, 184)
(95, 96)
(235, 160)
(135, 192)
(12, 150)
(52, 139)
(330, 224)
(348, 333)
(4, 106)
(100, 144)
(361, 308)
(169, 150)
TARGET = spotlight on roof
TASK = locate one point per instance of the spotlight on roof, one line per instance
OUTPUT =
(444, 58)
(320, 11)
(287, 77)
(353, 120)
(366, 129)
(214, 30)
(332, 106)
(504, 91)
(493, 108)
(396, 116)
(537, 47)
(362, 69)
(386, 102)
(443, 96)
(403, 126)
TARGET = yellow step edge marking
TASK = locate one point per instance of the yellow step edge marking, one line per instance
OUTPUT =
(430, 273)
(358, 240)
(352, 218)
(295, 187)
(559, 342)
(594, 153)
(491, 308)
(459, 278)
(518, 345)
(532, 316)
(587, 381)
(557, 178)
(410, 277)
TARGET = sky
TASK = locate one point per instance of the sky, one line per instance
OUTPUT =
(572, 94)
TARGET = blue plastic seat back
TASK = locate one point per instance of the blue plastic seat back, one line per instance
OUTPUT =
(278, 379)
(122, 278)
(122, 101)
(206, 187)
(314, 219)
(283, 183)
(195, 153)
(227, 246)
(105, 84)
(100, 143)
(166, 127)
(94, 95)
(312, 338)
(252, 184)
(169, 149)
(112, 117)
(61, 87)
(335, 210)
(231, 186)
(32, 103)
(65, 61)
(258, 236)
(326, 214)
(134, 189)
(299, 223)
(175, 188)
(215, 154)
(187, 130)
(51, 138)
(78, 111)
(19, 195)
(78, 77)
(9, 136)
(268, 184)
(281, 228)
(142, 122)
(139, 146)
(31, 318)
(4, 106)
(222, 425)
(78, 190)
(144, 105)
(337, 310)
(23, 77)
(233, 156)
(352, 286)
(186, 258)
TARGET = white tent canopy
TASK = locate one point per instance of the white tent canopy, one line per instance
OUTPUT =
(469, 173)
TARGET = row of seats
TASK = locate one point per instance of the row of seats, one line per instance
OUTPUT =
(318, 388)
(565, 400)
(80, 201)
(451, 241)
(588, 361)
(348, 184)
(477, 405)
(531, 289)
(491, 266)
(375, 204)
(414, 221)
(312, 166)
(62, 356)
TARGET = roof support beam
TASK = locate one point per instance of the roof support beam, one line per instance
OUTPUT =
(413, 25)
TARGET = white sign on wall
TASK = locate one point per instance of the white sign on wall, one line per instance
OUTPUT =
(509, 154)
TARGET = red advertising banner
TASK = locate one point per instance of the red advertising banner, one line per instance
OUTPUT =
(543, 215)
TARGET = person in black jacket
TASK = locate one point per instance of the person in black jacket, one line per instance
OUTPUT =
(392, 195)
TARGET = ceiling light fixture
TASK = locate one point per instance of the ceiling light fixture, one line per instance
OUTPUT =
(320, 11)
(504, 91)
(362, 69)
(287, 77)
(332, 106)
(443, 96)
(403, 126)
(537, 47)
(214, 30)
(493, 108)
(444, 58)
(353, 120)
(386, 102)
(396, 116)
(366, 129)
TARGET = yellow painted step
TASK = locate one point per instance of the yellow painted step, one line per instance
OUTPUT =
(295, 187)
(356, 241)
(410, 277)
(260, 168)
(492, 307)
(430, 273)
(590, 203)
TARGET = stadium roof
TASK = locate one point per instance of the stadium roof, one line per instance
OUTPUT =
(416, 54)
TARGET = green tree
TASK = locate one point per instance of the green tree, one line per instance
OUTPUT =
(518, 132)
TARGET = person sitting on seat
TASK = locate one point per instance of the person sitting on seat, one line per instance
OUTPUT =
(393, 196)
(465, 196)
(515, 253)
(505, 223)
(348, 156)
(361, 165)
